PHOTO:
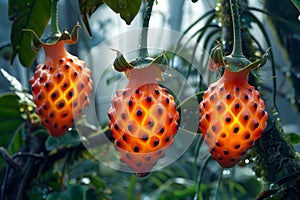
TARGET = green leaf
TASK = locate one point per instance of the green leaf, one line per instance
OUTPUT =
(30, 14)
(296, 4)
(10, 116)
(74, 192)
(69, 140)
(87, 8)
(293, 138)
(128, 9)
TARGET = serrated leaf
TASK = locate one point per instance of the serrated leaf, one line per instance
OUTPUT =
(28, 14)
(127, 9)
(69, 140)
(87, 8)
(293, 138)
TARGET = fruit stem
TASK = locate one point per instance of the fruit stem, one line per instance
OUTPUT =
(237, 43)
(54, 30)
(143, 53)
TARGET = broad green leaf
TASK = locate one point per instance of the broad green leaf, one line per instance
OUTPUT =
(293, 138)
(128, 9)
(87, 8)
(30, 14)
(75, 192)
(10, 116)
(70, 139)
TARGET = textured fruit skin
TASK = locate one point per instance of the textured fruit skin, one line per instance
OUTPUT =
(143, 122)
(60, 89)
(232, 117)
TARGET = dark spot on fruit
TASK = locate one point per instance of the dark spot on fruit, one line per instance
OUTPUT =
(137, 91)
(223, 135)
(226, 152)
(61, 104)
(203, 105)
(156, 92)
(251, 142)
(243, 153)
(232, 160)
(247, 136)
(139, 113)
(55, 125)
(39, 97)
(211, 97)
(149, 99)
(207, 116)
(171, 120)
(50, 69)
(61, 60)
(228, 96)
(127, 155)
(75, 104)
(256, 125)
(162, 130)
(214, 128)
(75, 74)
(70, 94)
(129, 103)
(236, 130)
(44, 106)
(47, 85)
(237, 146)
(151, 124)
(217, 144)
(246, 117)
(263, 113)
(53, 95)
(71, 60)
(124, 92)
(219, 107)
(136, 149)
(44, 67)
(167, 100)
(65, 115)
(220, 158)
(160, 111)
(116, 127)
(213, 88)
(156, 142)
(212, 150)
(80, 67)
(145, 137)
(167, 138)
(221, 89)
(51, 115)
(138, 163)
(58, 76)
(82, 85)
(41, 78)
(123, 115)
(246, 97)
(65, 85)
(124, 137)
(159, 152)
(115, 104)
(46, 121)
(250, 90)
(255, 105)
(237, 106)
(237, 89)
(67, 66)
(258, 96)
(109, 116)
(148, 158)
(118, 144)
(64, 127)
(129, 127)
(228, 119)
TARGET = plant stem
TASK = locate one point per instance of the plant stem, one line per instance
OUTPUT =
(237, 43)
(54, 30)
(144, 35)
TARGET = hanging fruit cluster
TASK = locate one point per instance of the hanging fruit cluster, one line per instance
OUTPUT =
(143, 118)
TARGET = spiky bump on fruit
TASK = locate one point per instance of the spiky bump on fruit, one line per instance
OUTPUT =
(143, 120)
(232, 117)
(60, 87)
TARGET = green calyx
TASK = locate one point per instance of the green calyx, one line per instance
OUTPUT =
(122, 65)
(54, 38)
